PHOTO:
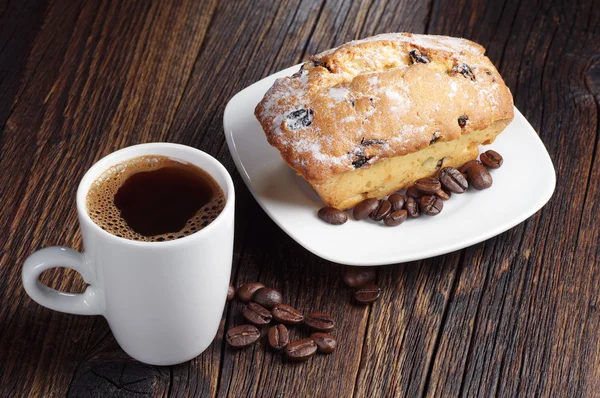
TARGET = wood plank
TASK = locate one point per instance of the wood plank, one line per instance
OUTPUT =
(277, 45)
(113, 75)
(515, 315)
(19, 24)
(519, 316)
(404, 325)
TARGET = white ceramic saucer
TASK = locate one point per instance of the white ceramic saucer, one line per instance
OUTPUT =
(521, 187)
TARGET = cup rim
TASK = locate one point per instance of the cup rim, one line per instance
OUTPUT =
(118, 157)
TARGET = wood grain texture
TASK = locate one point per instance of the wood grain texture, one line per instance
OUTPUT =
(516, 315)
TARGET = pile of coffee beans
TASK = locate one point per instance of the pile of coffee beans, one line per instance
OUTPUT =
(425, 196)
(361, 280)
(264, 306)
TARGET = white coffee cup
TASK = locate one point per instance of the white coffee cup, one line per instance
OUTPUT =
(162, 300)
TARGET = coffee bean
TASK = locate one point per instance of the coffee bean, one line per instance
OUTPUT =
(479, 177)
(242, 336)
(367, 294)
(267, 297)
(412, 207)
(431, 205)
(326, 343)
(397, 201)
(364, 208)
(333, 216)
(413, 192)
(278, 337)
(463, 169)
(428, 185)
(230, 292)
(247, 290)
(287, 315)
(355, 277)
(396, 218)
(443, 195)
(385, 207)
(491, 159)
(256, 314)
(453, 180)
(319, 322)
(301, 350)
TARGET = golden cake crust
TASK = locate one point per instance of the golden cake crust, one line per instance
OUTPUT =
(385, 96)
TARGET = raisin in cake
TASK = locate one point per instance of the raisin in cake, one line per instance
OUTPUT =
(371, 116)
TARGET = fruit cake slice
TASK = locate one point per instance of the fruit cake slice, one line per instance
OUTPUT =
(371, 116)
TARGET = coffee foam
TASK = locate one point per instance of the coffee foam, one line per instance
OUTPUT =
(103, 211)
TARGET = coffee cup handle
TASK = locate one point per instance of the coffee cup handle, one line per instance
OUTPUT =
(88, 303)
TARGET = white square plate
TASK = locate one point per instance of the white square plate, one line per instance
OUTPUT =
(521, 187)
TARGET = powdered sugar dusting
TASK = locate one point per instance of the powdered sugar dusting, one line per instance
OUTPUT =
(315, 149)
(453, 89)
(407, 133)
(364, 95)
(338, 94)
(401, 101)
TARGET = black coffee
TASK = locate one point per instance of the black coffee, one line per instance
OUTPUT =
(154, 198)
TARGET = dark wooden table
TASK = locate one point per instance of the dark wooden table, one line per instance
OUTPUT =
(517, 315)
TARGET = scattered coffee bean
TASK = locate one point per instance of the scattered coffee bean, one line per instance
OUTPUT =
(367, 294)
(463, 169)
(428, 185)
(385, 207)
(491, 159)
(319, 322)
(242, 336)
(364, 208)
(333, 216)
(453, 180)
(413, 192)
(301, 350)
(257, 314)
(396, 218)
(278, 337)
(397, 201)
(267, 297)
(431, 205)
(443, 195)
(230, 292)
(412, 207)
(326, 343)
(479, 177)
(247, 290)
(287, 315)
(355, 277)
